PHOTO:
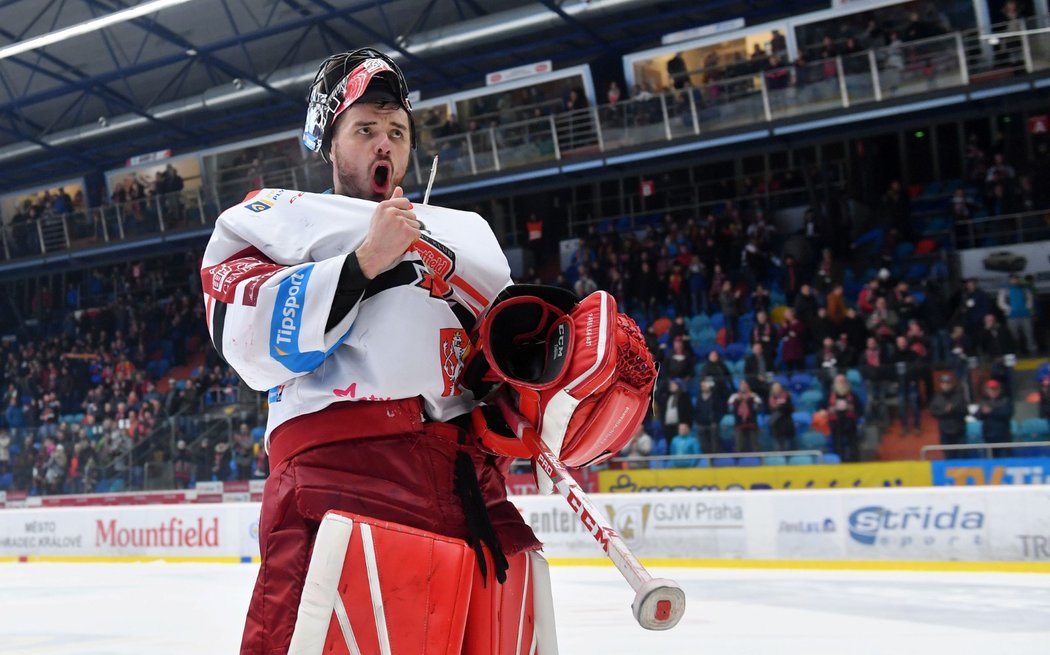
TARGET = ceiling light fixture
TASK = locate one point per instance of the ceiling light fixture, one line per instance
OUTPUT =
(86, 27)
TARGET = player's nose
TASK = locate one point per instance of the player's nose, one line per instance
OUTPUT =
(382, 143)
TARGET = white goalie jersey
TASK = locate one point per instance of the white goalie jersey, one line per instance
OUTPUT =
(270, 275)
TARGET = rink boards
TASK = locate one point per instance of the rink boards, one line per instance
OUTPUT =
(968, 528)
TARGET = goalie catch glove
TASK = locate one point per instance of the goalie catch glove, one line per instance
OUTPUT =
(580, 370)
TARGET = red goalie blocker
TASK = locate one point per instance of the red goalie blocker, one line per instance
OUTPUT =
(581, 371)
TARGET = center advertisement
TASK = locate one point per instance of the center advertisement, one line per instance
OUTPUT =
(932, 524)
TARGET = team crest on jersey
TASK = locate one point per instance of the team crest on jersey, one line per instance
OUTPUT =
(436, 266)
(454, 348)
(249, 269)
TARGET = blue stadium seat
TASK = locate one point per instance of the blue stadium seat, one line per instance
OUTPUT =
(861, 393)
(765, 440)
(1035, 429)
(735, 352)
(800, 381)
(743, 334)
(707, 336)
(692, 387)
(774, 460)
(699, 322)
(800, 459)
(803, 418)
(1043, 371)
(749, 461)
(656, 429)
(810, 400)
(830, 458)
(659, 450)
(812, 440)
(854, 377)
(723, 462)
(917, 271)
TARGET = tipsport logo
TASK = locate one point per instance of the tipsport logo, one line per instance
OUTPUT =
(927, 526)
(286, 324)
(291, 311)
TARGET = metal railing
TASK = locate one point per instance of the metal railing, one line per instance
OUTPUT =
(698, 200)
(50, 233)
(1002, 230)
(720, 103)
(817, 455)
(986, 447)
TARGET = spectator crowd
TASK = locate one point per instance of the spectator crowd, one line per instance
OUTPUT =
(88, 395)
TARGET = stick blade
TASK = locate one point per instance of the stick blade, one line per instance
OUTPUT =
(659, 604)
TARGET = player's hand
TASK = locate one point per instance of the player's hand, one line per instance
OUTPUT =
(393, 229)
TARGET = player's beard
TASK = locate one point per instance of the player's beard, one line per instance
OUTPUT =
(358, 182)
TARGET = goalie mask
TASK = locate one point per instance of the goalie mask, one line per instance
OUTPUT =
(363, 75)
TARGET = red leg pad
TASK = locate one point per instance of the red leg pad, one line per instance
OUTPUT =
(502, 620)
(380, 588)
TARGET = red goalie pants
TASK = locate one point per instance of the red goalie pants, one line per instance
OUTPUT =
(406, 479)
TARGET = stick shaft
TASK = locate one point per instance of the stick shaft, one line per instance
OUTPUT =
(430, 183)
(586, 511)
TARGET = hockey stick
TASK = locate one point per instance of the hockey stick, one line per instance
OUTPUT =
(658, 602)
(430, 183)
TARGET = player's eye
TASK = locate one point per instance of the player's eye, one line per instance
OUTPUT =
(397, 134)
(364, 129)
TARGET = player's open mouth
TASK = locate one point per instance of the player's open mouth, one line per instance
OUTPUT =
(381, 177)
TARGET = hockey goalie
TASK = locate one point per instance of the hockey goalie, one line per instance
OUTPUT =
(377, 327)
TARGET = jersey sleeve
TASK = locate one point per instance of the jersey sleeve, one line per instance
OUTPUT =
(271, 274)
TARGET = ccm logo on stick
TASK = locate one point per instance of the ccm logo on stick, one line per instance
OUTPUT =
(600, 534)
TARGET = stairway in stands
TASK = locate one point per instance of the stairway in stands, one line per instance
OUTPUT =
(896, 444)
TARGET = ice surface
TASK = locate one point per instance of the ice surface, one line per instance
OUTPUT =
(178, 609)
